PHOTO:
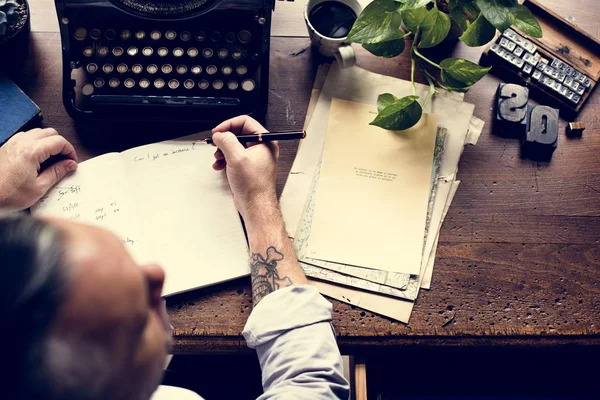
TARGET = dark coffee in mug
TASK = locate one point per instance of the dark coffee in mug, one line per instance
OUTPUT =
(332, 19)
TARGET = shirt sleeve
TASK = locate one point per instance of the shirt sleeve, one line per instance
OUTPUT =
(291, 331)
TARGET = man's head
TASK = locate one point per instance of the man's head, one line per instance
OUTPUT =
(80, 318)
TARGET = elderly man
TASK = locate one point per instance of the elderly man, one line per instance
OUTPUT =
(81, 320)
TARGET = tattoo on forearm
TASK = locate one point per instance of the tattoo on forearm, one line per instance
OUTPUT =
(265, 277)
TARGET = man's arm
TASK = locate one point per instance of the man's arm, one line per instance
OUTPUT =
(290, 326)
(22, 180)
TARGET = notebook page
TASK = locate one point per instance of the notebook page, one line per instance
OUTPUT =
(188, 215)
(97, 194)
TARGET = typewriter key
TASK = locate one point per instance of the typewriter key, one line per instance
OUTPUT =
(114, 82)
(147, 51)
(102, 51)
(211, 70)
(218, 84)
(207, 53)
(241, 70)
(159, 83)
(230, 37)
(196, 69)
(166, 69)
(155, 35)
(222, 53)
(173, 83)
(87, 89)
(152, 69)
(132, 51)
(110, 34)
(144, 83)
(163, 51)
(107, 68)
(203, 84)
(185, 36)
(215, 36)
(245, 37)
(226, 70)
(188, 84)
(126, 34)
(232, 85)
(117, 51)
(137, 69)
(98, 82)
(122, 68)
(95, 34)
(178, 52)
(129, 83)
(192, 52)
(587, 82)
(181, 69)
(200, 36)
(80, 34)
(140, 35)
(236, 54)
(248, 85)
(91, 68)
(170, 35)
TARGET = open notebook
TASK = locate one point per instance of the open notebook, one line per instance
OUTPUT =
(166, 203)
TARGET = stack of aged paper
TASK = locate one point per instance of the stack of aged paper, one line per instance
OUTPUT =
(365, 205)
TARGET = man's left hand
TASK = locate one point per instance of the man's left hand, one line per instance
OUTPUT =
(22, 182)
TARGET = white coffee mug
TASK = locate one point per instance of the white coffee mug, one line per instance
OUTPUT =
(327, 46)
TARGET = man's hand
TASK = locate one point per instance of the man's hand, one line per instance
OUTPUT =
(252, 171)
(22, 183)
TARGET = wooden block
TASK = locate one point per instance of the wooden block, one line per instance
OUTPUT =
(511, 107)
(542, 133)
(575, 129)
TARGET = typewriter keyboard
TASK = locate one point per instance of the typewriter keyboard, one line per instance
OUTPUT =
(561, 79)
(148, 66)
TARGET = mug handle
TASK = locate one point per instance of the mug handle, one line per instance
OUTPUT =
(345, 56)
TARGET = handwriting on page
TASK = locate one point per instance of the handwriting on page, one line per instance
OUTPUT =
(155, 156)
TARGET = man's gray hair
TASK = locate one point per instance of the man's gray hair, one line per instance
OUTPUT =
(34, 283)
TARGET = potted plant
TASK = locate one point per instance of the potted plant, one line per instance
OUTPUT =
(14, 31)
(383, 26)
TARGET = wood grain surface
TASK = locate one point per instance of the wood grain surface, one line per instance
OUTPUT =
(519, 255)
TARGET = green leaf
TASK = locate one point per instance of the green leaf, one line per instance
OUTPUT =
(478, 33)
(525, 21)
(400, 115)
(499, 13)
(412, 4)
(388, 49)
(463, 12)
(435, 28)
(385, 100)
(461, 74)
(413, 19)
(379, 22)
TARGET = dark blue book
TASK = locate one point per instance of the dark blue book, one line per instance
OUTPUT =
(17, 111)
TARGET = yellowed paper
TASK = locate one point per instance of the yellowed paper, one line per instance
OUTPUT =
(373, 192)
(428, 274)
(399, 310)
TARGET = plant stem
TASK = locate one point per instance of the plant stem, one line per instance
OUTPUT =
(407, 34)
(422, 57)
(431, 90)
(428, 75)
(413, 62)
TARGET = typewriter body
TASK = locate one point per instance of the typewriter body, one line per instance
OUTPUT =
(194, 60)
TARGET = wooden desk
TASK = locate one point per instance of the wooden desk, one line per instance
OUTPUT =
(519, 255)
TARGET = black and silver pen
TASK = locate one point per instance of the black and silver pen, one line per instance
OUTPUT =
(265, 137)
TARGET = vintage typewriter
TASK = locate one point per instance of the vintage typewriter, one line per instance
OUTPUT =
(198, 60)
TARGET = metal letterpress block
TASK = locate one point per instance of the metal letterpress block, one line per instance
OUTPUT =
(542, 133)
(575, 129)
(511, 108)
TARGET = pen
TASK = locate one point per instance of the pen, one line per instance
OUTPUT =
(266, 137)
